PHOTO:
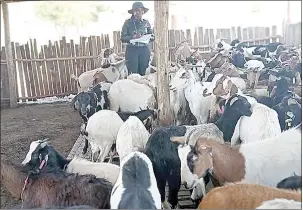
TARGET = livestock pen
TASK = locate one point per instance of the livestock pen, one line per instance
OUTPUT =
(45, 72)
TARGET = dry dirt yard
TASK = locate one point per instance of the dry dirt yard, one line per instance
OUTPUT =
(27, 123)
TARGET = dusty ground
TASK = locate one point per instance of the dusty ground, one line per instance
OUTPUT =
(21, 126)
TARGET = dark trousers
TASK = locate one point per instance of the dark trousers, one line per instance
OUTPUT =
(137, 59)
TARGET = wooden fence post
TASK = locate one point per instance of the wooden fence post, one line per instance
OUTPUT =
(161, 50)
(9, 58)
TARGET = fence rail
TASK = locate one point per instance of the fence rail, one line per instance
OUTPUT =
(45, 70)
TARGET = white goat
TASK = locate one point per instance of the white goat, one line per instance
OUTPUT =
(82, 166)
(192, 134)
(129, 96)
(262, 124)
(199, 104)
(280, 203)
(136, 187)
(86, 79)
(131, 134)
(102, 129)
(261, 162)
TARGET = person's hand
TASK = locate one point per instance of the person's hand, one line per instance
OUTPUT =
(138, 35)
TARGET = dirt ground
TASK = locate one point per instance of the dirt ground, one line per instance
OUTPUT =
(20, 126)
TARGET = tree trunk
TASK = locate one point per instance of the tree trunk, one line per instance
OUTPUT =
(161, 51)
(9, 58)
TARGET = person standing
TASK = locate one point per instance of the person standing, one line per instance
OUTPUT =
(137, 55)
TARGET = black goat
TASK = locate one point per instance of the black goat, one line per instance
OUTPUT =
(236, 107)
(166, 163)
(293, 182)
(289, 112)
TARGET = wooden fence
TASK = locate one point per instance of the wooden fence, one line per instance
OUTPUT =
(46, 71)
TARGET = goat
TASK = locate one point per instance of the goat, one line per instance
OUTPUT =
(131, 134)
(54, 188)
(184, 81)
(136, 187)
(93, 100)
(254, 68)
(166, 163)
(244, 196)
(289, 113)
(142, 96)
(262, 124)
(40, 151)
(101, 134)
(280, 204)
(248, 163)
(110, 73)
(293, 182)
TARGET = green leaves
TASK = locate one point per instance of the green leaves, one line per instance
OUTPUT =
(69, 13)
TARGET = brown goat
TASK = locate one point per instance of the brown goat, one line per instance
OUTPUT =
(56, 188)
(244, 196)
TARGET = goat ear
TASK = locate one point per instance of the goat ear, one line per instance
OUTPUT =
(233, 89)
(291, 101)
(233, 100)
(178, 139)
(203, 148)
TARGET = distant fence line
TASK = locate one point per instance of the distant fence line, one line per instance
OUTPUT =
(46, 71)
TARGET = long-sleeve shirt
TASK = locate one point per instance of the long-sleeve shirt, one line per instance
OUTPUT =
(132, 26)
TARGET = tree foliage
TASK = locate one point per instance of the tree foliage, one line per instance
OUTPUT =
(69, 13)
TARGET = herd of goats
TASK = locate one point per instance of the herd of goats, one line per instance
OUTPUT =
(232, 145)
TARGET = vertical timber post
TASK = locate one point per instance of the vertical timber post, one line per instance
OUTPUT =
(161, 50)
(9, 58)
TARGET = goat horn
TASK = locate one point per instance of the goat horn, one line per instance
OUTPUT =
(178, 139)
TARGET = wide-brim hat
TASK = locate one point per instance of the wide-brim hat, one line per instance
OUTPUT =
(137, 5)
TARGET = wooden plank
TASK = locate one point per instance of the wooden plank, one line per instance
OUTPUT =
(274, 33)
(257, 35)
(15, 67)
(26, 74)
(63, 51)
(178, 36)
(48, 67)
(4, 79)
(35, 69)
(182, 35)
(239, 33)
(44, 74)
(172, 43)
(89, 52)
(211, 37)
(9, 57)
(20, 70)
(227, 35)
(39, 68)
(196, 38)
(70, 68)
(188, 37)
(30, 71)
(267, 34)
(82, 52)
(200, 36)
(298, 34)
(107, 42)
(161, 27)
(74, 65)
(233, 33)
(62, 77)
(86, 52)
(77, 52)
(250, 35)
(119, 42)
(245, 34)
(115, 33)
(206, 37)
(55, 71)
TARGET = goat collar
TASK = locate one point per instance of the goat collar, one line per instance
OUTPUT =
(43, 162)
